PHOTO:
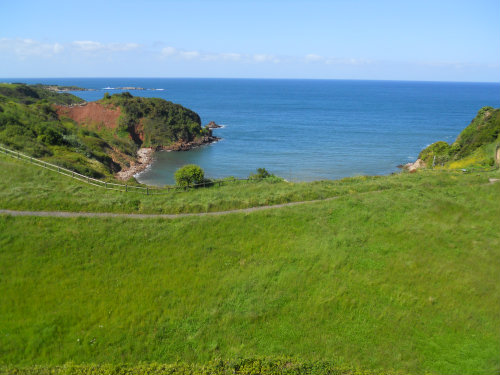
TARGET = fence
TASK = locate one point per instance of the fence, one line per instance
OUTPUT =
(111, 185)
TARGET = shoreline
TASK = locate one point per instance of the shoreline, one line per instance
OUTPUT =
(143, 160)
(144, 157)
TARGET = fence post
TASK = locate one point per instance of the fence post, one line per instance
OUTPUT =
(19, 157)
(434, 161)
(147, 190)
(126, 188)
(105, 185)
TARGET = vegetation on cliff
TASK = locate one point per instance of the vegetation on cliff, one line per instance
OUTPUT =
(155, 121)
(29, 94)
(475, 145)
(62, 129)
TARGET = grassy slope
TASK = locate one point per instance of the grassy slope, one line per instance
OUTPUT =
(22, 93)
(474, 147)
(29, 122)
(406, 278)
(31, 125)
(27, 187)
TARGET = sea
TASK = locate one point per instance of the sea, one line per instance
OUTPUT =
(303, 130)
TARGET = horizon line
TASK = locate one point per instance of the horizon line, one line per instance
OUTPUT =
(258, 78)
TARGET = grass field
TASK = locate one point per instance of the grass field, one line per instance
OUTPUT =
(27, 187)
(405, 278)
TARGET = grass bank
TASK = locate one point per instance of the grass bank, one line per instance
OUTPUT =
(404, 279)
(27, 187)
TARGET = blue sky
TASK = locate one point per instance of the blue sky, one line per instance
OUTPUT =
(437, 40)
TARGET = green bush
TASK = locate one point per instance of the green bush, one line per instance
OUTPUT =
(189, 175)
(484, 129)
(261, 173)
(441, 150)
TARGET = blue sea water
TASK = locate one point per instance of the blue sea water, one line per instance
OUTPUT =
(306, 130)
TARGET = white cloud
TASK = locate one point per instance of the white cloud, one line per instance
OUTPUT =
(231, 56)
(123, 46)
(168, 51)
(351, 61)
(313, 58)
(172, 52)
(87, 45)
(24, 48)
(263, 58)
(58, 48)
(189, 55)
(90, 46)
(175, 53)
(221, 57)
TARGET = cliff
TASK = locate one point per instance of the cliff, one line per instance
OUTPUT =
(475, 145)
(98, 138)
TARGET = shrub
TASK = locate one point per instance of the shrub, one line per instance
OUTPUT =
(441, 150)
(189, 175)
(261, 174)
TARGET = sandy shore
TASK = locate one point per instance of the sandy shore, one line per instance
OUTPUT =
(144, 158)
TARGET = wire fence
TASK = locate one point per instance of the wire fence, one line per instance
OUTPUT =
(148, 190)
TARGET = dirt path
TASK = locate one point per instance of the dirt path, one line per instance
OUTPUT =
(152, 216)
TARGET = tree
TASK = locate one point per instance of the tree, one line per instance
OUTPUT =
(189, 175)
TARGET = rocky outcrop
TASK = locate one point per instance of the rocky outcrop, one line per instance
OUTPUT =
(144, 158)
(213, 125)
(412, 167)
(186, 146)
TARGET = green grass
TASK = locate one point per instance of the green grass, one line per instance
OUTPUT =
(261, 366)
(27, 187)
(407, 278)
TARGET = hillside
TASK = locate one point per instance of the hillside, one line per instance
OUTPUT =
(399, 273)
(391, 274)
(475, 145)
(97, 139)
(30, 94)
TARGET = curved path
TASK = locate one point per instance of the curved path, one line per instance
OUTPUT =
(149, 216)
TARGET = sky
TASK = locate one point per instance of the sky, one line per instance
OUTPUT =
(423, 40)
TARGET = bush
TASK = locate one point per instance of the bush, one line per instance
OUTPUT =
(261, 174)
(189, 175)
(441, 150)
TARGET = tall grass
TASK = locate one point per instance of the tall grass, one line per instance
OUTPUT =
(406, 279)
(27, 187)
